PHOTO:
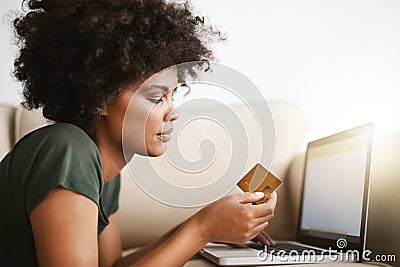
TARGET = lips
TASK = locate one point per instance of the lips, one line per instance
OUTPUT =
(166, 135)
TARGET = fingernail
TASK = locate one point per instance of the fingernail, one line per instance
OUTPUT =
(259, 194)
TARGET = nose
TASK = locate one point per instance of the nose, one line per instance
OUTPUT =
(171, 114)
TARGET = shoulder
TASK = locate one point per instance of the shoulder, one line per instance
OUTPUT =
(61, 154)
(60, 138)
(63, 133)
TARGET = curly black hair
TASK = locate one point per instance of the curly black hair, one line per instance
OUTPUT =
(76, 56)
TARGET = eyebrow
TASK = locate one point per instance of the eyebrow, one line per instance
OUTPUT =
(162, 87)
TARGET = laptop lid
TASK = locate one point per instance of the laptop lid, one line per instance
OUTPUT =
(335, 190)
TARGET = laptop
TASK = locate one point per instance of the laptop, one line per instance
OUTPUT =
(333, 208)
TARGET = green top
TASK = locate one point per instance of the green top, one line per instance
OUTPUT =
(61, 154)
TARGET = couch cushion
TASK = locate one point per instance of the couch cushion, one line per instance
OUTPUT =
(7, 131)
(27, 121)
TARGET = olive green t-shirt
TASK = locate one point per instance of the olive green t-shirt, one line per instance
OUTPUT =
(61, 154)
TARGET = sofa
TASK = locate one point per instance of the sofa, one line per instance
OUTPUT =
(143, 219)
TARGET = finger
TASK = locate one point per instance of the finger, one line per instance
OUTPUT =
(270, 204)
(272, 199)
(262, 210)
(257, 230)
(248, 197)
(265, 239)
(267, 236)
(262, 239)
(261, 220)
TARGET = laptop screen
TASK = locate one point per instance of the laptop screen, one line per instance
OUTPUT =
(334, 186)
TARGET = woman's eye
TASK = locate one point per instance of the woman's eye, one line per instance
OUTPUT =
(156, 100)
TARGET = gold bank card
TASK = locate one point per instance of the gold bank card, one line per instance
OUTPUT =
(268, 184)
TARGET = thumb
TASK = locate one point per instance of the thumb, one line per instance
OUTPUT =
(250, 197)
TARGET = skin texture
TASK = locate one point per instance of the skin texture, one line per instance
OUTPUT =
(150, 109)
(61, 235)
(150, 113)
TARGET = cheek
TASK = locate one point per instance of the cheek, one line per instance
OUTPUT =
(134, 126)
(153, 124)
(142, 123)
(154, 144)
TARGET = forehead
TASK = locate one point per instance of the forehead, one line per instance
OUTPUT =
(166, 78)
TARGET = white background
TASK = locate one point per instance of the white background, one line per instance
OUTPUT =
(338, 60)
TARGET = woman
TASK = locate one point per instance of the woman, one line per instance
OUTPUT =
(82, 61)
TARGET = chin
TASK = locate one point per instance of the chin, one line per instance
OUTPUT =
(155, 154)
(156, 151)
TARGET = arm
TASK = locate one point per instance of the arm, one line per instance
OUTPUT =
(110, 249)
(64, 227)
(59, 235)
(72, 236)
(109, 242)
(145, 250)
(213, 223)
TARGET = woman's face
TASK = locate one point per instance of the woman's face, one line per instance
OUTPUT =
(146, 115)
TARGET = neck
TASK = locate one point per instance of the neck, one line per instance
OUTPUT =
(112, 157)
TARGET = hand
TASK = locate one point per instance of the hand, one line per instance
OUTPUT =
(231, 220)
(262, 238)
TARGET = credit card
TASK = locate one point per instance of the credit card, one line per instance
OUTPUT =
(258, 173)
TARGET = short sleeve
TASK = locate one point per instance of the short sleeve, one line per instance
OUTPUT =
(64, 156)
